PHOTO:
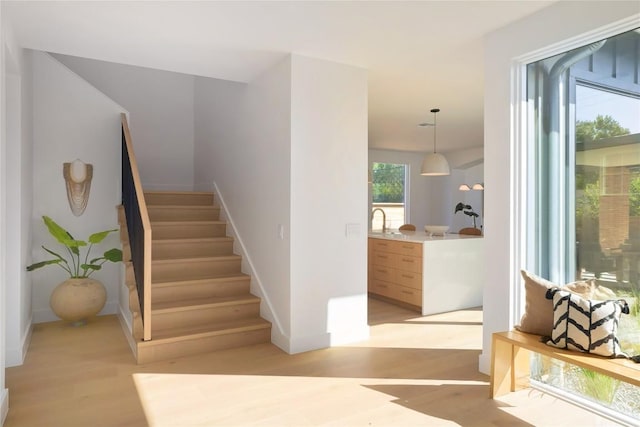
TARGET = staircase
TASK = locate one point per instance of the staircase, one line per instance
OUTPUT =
(200, 300)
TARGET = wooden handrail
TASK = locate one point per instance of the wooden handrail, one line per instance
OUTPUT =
(143, 272)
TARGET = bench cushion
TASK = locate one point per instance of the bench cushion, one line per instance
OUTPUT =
(586, 325)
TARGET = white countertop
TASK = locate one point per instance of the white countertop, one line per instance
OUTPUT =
(419, 236)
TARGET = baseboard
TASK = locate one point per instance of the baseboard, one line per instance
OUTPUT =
(279, 340)
(127, 328)
(15, 357)
(309, 342)
(255, 278)
(4, 405)
(47, 315)
(350, 335)
(484, 364)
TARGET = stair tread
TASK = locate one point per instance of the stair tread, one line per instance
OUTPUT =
(219, 328)
(187, 222)
(230, 257)
(194, 240)
(221, 277)
(206, 277)
(188, 304)
(182, 206)
(208, 193)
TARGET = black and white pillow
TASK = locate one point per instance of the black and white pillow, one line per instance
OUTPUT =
(586, 325)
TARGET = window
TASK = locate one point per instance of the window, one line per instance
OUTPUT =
(388, 189)
(584, 191)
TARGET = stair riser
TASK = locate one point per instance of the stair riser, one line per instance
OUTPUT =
(148, 354)
(129, 276)
(170, 213)
(204, 316)
(187, 231)
(174, 271)
(138, 328)
(177, 250)
(179, 199)
(126, 251)
(185, 290)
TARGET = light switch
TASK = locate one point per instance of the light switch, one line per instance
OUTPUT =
(352, 230)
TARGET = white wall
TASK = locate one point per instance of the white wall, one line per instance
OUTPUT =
(15, 205)
(19, 194)
(161, 107)
(72, 120)
(279, 150)
(218, 126)
(328, 193)
(503, 48)
(4, 393)
(243, 144)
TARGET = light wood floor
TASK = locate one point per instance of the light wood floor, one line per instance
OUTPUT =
(413, 371)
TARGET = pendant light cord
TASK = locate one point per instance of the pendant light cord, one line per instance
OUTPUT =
(434, 132)
(435, 125)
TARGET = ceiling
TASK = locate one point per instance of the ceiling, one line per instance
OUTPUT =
(419, 55)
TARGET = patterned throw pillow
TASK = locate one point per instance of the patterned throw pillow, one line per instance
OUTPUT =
(586, 325)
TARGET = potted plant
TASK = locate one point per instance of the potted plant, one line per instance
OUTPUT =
(80, 296)
(467, 210)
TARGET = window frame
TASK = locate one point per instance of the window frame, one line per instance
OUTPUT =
(406, 190)
(525, 255)
(522, 238)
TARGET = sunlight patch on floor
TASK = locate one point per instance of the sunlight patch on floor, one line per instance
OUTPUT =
(455, 330)
(177, 399)
(183, 400)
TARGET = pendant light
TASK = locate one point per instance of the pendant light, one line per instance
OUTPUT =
(434, 164)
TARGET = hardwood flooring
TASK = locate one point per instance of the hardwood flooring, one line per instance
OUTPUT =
(413, 371)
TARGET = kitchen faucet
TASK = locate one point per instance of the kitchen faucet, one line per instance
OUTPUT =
(384, 218)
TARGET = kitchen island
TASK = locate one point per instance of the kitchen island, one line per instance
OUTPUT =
(430, 274)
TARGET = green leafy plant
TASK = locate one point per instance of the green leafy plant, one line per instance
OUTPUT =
(598, 386)
(75, 265)
(467, 210)
(634, 196)
(634, 309)
(588, 203)
(600, 128)
(388, 183)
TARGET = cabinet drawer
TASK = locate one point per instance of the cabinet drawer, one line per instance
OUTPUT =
(408, 295)
(383, 258)
(408, 263)
(382, 288)
(381, 272)
(382, 245)
(407, 248)
(397, 247)
(408, 278)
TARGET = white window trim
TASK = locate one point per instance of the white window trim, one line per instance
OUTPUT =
(522, 249)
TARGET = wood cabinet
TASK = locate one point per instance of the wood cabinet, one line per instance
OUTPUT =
(395, 270)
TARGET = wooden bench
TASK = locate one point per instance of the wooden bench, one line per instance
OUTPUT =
(510, 353)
